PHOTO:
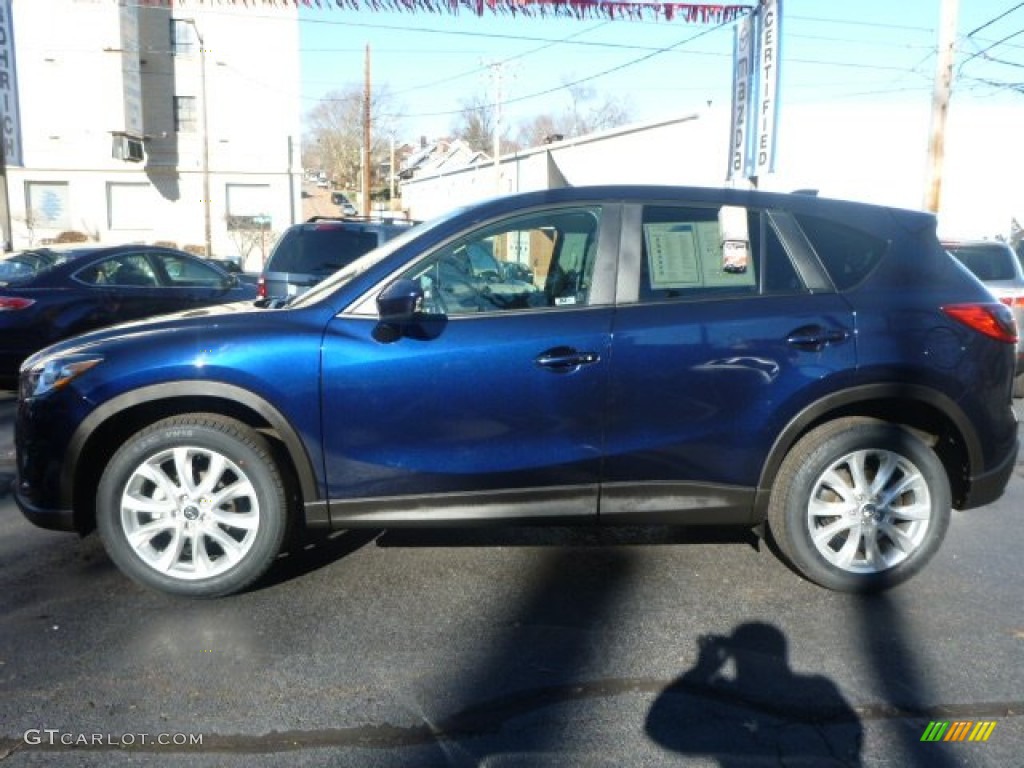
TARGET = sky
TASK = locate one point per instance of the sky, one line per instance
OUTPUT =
(841, 62)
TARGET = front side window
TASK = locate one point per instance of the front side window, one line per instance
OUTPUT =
(540, 260)
(182, 271)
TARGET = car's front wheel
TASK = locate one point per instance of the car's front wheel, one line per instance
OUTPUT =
(860, 505)
(193, 505)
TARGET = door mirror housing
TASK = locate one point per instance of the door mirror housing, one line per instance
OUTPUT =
(400, 301)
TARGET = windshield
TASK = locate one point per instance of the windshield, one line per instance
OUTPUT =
(988, 261)
(363, 263)
(320, 250)
(23, 266)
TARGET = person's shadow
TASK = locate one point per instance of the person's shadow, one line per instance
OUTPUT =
(741, 701)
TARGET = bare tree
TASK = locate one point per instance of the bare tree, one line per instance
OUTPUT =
(587, 112)
(475, 125)
(335, 137)
(541, 129)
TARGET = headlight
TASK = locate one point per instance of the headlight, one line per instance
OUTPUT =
(54, 373)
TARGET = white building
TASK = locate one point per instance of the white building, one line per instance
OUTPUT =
(158, 121)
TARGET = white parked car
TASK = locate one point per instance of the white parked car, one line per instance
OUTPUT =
(996, 264)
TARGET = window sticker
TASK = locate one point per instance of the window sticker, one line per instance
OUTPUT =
(695, 255)
(672, 255)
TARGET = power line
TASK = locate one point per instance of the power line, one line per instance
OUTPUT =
(595, 76)
(501, 62)
(989, 23)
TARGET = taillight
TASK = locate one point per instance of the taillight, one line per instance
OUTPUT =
(10, 303)
(1013, 301)
(993, 320)
(261, 287)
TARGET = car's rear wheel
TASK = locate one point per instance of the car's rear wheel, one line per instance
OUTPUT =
(193, 505)
(860, 505)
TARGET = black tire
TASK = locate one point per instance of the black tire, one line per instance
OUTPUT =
(866, 539)
(193, 505)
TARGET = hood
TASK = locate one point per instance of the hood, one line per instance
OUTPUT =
(187, 322)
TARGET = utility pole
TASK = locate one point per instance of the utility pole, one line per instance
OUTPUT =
(367, 160)
(207, 223)
(7, 244)
(940, 104)
(496, 71)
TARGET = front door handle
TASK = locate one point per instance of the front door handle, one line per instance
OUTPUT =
(565, 359)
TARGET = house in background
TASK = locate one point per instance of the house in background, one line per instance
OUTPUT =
(161, 122)
(440, 157)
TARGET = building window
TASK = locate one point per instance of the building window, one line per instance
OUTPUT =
(47, 205)
(130, 206)
(248, 207)
(186, 118)
(183, 37)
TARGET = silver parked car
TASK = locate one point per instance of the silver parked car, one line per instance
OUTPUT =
(996, 264)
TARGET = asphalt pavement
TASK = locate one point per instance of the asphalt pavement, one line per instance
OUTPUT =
(515, 647)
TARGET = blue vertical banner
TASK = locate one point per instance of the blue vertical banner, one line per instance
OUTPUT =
(768, 66)
(10, 117)
(742, 98)
(755, 91)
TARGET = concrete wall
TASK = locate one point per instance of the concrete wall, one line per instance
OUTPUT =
(672, 151)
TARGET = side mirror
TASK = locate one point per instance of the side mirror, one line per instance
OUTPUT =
(399, 301)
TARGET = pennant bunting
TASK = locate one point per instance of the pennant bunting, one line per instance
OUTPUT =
(691, 13)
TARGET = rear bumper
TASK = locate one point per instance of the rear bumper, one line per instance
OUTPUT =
(989, 486)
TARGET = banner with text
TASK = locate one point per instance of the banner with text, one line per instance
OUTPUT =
(768, 61)
(755, 92)
(742, 79)
(10, 118)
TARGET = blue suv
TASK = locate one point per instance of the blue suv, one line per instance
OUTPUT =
(822, 371)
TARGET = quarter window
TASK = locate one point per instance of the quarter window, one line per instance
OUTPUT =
(848, 254)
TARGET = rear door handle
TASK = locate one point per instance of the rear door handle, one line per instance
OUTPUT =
(565, 359)
(815, 338)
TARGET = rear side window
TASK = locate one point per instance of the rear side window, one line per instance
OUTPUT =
(320, 250)
(694, 253)
(847, 254)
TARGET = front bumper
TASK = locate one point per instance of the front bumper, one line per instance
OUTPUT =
(51, 519)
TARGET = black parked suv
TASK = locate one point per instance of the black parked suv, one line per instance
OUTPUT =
(319, 247)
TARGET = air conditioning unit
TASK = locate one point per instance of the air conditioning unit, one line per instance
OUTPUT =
(128, 148)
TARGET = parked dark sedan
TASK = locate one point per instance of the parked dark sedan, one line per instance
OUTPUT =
(48, 295)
